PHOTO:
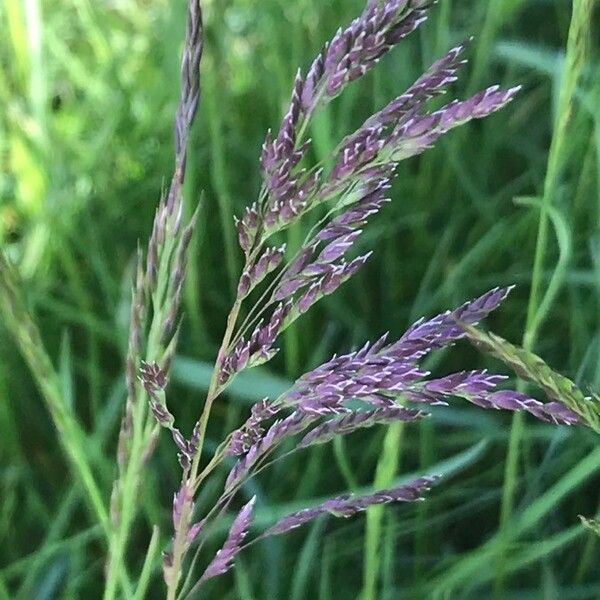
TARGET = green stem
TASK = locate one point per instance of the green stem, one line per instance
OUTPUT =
(387, 468)
(424, 533)
(144, 581)
(129, 496)
(576, 53)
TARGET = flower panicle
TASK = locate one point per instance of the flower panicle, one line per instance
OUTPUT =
(353, 421)
(444, 329)
(282, 429)
(154, 379)
(348, 504)
(401, 129)
(225, 557)
(269, 260)
(357, 390)
(355, 50)
(359, 179)
(252, 430)
(291, 189)
(381, 373)
(256, 350)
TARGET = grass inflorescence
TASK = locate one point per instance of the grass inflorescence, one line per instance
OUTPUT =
(213, 390)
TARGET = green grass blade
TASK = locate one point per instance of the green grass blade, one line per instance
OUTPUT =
(576, 56)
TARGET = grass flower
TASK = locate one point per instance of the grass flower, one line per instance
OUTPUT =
(380, 376)
(387, 383)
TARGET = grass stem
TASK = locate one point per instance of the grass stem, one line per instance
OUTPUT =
(576, 55)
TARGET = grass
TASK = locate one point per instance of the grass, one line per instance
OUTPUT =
(576, 56)
(87, 93)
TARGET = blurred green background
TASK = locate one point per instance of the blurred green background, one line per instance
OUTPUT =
(87, 96)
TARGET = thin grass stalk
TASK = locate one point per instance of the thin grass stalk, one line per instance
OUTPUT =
(443, 26)
(576, 55)
(343, 464)
(423, 535)
(148, 566)
(290, 337)
(496, 15)
(388, 462)
(194, 278)
(387, 467)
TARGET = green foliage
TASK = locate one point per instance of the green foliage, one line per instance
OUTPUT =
(87, 95)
